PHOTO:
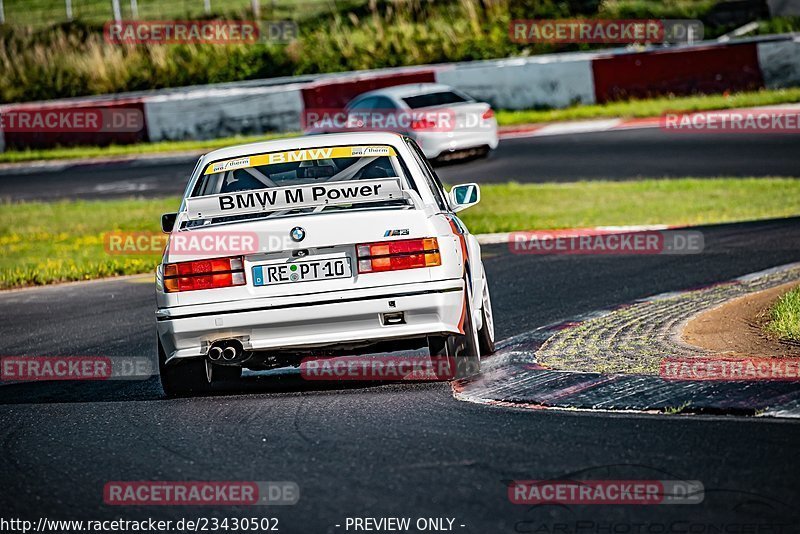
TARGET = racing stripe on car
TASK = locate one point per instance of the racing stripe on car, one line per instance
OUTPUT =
(462, 240)
(457, 231)
(461, 329)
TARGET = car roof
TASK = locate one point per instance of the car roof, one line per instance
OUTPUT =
(302, 142)
(406, 90)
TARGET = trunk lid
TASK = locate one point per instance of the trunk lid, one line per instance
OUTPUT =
(330, 238)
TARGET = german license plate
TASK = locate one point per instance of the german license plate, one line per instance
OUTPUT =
(301, 271)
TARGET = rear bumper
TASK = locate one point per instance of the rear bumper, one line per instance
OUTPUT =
(324, 319)
(434, 144)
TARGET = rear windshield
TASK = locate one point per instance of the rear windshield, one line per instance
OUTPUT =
(434, 99)
(349, 166)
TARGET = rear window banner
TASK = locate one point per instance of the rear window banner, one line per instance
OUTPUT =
(303, 196)
(305, 154)
(229, 165)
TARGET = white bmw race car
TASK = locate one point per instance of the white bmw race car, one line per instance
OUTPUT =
(338, 244)
(444, 122)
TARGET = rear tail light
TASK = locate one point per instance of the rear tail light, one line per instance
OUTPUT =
(488, 114)
(204, 274)
(423, 124)
(398, 255)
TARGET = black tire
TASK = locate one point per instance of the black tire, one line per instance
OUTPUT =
(180, 379)
(486, 333)
(463, 348)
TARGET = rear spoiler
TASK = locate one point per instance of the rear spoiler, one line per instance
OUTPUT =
(293, 197)
(289, 198)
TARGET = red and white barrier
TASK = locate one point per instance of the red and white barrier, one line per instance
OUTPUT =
(553, 81)
(706, 69)
(336, 92)
(69, 122)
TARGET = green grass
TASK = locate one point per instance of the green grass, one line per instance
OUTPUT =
(652, 107)
(674, 410)
(513, 206)
(19, 156)
(785, 316)
(43, 243)
(635, 108)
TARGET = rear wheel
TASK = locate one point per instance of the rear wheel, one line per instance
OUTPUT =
(182, 378)
(462, 348)
(486, 333)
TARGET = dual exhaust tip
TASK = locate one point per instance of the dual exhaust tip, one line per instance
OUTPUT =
(225, 350)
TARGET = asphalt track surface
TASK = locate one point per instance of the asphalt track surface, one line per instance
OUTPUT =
(408, 450)
(618, 155)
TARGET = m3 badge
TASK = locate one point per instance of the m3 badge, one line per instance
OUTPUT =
(392, 233)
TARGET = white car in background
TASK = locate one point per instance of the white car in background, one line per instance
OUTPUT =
(358, 245)
(444, 122)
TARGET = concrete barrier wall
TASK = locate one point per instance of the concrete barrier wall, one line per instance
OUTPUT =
(780, 63)
(551, 81)
(545, 81)
(214, 113)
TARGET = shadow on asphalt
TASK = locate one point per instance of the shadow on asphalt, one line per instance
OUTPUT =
(45, 392)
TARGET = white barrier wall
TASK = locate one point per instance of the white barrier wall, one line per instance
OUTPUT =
(780, 63)
(214, 113)
(555, 81)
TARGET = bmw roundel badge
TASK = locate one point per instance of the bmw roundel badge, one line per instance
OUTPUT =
(297, 233)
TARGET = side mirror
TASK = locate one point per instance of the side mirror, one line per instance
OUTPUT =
(464, 196)
(168, 222)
